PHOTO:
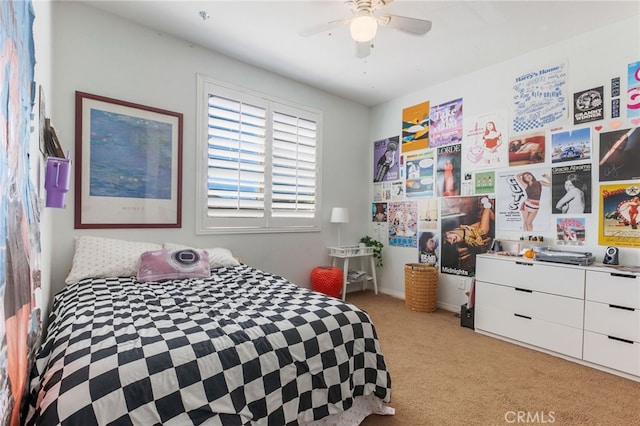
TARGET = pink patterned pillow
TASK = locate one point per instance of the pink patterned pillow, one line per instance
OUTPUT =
(160, 265)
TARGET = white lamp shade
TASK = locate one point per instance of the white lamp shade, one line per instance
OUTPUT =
(340, 215)
(363, 28)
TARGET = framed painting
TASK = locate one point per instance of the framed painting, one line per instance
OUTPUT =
(128, 165)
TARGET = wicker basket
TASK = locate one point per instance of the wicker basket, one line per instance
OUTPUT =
(420, 287)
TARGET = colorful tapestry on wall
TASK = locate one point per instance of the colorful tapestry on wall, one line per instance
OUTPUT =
(19, 216)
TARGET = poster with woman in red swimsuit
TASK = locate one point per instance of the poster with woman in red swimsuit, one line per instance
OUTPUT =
(619, 207)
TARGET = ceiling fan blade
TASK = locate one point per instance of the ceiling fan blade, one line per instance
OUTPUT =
(321, 28)
(363, 49)
(377, 4)
(408, 25)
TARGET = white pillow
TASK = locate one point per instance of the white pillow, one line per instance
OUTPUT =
(218, 256)
(97, 257)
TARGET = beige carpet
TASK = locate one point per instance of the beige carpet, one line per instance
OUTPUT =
(444, 374)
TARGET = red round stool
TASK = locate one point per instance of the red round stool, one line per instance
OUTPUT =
(327, 280)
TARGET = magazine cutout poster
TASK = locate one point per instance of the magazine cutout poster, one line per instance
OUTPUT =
(571, 189)
(540, 98)
(527, 149)
(588, 105)
(467, 229)
(449, 174)
(485, 182)
(428, 238)
(403, 220)
(633, 90)
(415, 127)
(571, 231)
(571, 145)
(386, 159)
(618, 221)
(419, 172)
(485, 143)
(445, 123)
(619, 154)
(524, 200)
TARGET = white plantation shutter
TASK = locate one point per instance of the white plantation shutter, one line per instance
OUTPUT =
(261, 163)
(236, 158)
(293, 166)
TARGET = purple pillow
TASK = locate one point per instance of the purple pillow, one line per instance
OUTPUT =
(159, 265)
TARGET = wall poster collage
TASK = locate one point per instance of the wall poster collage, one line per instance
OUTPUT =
(448, 184)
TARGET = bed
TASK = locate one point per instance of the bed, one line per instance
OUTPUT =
(237, 346)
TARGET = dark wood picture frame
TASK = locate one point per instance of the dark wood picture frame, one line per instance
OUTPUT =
(128, 165)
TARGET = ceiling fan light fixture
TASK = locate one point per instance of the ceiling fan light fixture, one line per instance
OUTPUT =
(363, 28)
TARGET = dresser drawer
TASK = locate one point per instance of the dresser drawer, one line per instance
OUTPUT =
(611, 287)
(611, 320)
(554, 337)
(528, 303)
(562, 280)
(619, 355)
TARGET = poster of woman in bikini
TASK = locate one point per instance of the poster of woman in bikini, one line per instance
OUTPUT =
(619, 207)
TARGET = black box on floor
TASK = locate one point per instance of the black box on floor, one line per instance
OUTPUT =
(466, 317)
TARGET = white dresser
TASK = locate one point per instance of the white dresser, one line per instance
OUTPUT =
(612, 320)
(588, 314)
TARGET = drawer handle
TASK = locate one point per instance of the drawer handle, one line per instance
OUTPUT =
(524, 263)
(621, 340)
(621, 307)
(522, 316)
(523, 290)
(615, 274)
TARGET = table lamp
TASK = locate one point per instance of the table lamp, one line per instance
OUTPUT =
(339, 215)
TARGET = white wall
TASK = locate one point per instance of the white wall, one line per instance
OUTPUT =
(593, 58)
(102, 54)
(105, 55)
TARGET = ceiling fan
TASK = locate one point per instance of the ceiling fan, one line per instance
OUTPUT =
(363, 25)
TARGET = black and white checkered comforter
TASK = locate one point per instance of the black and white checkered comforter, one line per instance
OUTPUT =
(242, 347)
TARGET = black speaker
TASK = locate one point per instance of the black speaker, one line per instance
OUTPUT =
(610, 256)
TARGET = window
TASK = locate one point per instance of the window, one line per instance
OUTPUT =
(259, 163)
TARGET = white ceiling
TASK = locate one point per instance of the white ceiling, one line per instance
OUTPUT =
(466, 36)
